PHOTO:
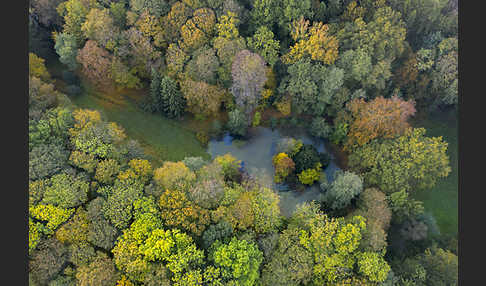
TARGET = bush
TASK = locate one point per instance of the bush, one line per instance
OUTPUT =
(309, 176)
(203, 138)
(284, 166)
(256, 119)
(237, 123)
(194, 163)
(306, 158)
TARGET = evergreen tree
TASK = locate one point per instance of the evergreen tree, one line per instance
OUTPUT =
(173, 102)
(156, 104)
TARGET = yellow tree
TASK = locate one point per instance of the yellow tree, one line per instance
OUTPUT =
(315, 42)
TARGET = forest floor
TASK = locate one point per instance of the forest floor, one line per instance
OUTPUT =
(442, 200)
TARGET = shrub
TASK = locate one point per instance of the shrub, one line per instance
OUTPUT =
(194, 163)
(256, 119)
(203, 138)
(237, 123)
(306, 158)
(309, 176)
(284, 166)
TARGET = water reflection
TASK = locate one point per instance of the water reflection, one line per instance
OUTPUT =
(256, 156)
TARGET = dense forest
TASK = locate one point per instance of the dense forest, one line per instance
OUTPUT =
(355, 74)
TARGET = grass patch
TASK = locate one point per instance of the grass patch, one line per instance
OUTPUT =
(442, 200)
(162, 139)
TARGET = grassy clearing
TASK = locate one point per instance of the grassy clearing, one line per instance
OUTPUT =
(163, 139)
(442, 200)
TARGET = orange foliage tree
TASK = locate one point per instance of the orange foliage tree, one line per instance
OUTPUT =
(381, 117)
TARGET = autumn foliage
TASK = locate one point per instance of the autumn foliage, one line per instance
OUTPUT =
(315, 42)
(96, 63)
(381, 117)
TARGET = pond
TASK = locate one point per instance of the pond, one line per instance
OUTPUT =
(256, 156)
(165, 139)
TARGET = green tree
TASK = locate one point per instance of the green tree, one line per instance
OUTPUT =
(264, 44)
(445, 73)
(290, 264)
(222, 232)
(239, 261)
(124, 76)
(118, 208)
(74, 13)
(293, 10)
(119, 14)
(265, 13)
(320, 128)
(66, 191)
(67, 48)
(441, 266)
(311, 86)
(409, 162)
(306, 158)
(155, 99)
(421, 17)
(343, 189)
(173, 103)
(404, 207)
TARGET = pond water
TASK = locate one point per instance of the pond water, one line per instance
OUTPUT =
(158, 133)
(256, 156)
